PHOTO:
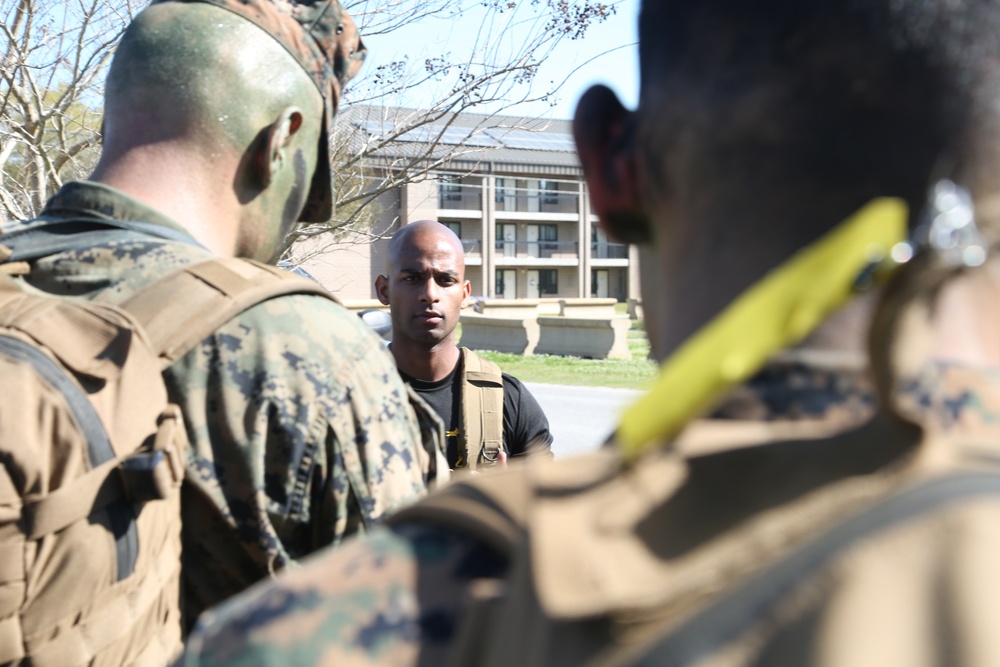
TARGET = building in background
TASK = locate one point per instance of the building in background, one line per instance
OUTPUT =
(511, 188)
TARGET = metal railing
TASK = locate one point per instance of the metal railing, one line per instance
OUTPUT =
(460, 197)
(608, 250)
(539, 249)
(472, 246)
(523, 200)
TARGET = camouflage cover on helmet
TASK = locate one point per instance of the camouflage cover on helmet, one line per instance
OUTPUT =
(323, 39)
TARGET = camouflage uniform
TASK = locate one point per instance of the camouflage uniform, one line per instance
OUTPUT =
(302, 432)
(720, 515)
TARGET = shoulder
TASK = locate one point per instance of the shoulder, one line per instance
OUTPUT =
(367, 602)
(304, 330)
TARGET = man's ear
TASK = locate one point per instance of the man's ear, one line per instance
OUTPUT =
(604, 132)
(467, 293)
(277, 136)
(382, 290)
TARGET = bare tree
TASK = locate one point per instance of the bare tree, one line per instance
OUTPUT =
(57, 52)
(381, 145)
(52, 73)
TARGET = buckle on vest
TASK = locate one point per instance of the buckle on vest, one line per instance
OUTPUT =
(154, 474)
(491, 450)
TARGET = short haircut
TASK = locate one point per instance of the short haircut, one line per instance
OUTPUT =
(867, 96)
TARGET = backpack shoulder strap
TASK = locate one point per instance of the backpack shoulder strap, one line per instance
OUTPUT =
(182, 309)
(728, 617)
(491, 509)
(482, 409)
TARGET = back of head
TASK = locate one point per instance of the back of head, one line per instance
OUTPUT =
(857, 98)
(170, 71)
(213, 73)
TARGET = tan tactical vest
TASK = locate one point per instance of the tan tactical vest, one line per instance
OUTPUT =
(482, 411)
(93, 459)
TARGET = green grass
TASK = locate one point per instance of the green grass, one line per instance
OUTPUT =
(636, 373)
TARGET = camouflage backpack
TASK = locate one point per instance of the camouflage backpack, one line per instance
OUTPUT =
(93, 457)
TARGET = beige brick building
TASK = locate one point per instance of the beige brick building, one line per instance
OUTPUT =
(511, 188)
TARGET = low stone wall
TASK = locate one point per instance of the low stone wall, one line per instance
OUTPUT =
(517, 335)
(508, 307)
(357, 305)
(549, 306)
(587, 307)
(635, 309)
(589, 337)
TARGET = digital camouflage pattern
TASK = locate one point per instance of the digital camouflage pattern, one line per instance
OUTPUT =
(319, 34)
(400, 596)
(804, 385)
(323, 39)
(301, 431)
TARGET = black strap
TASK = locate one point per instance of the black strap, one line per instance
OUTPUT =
(728, 618)
(121, 514)
(47, 239)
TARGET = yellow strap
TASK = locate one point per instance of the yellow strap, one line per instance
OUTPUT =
(780, 310)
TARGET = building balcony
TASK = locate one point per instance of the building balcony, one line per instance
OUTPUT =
(516, 200)
(460, 197)
(608, 251)
(543, 253)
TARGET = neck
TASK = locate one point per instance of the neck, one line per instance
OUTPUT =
(423, 363)
(180, 183)
(966, 321)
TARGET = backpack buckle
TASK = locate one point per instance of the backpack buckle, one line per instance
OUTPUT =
(155, 474)
(491, 450)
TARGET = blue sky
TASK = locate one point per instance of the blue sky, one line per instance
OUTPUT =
(617, 69)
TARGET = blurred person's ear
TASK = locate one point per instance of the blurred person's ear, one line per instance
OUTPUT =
(604, 132)
(382, 290)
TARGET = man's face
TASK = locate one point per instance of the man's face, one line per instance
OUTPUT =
(425, 289)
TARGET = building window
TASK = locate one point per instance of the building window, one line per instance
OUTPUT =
(549, 193)
(548, 281)
(453, 225)
(548, 233)
(450, 188)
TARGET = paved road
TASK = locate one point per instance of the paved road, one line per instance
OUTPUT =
(580, 418)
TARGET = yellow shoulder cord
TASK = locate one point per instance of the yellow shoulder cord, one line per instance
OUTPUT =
(780, 310)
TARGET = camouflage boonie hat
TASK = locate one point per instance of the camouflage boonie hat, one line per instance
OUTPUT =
(322, 37)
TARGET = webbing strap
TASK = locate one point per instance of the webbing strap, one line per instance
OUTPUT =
(11, 640)
(466, 510)
(729, 617)
(11, 561)
(182, 309)
(74, 501)
(482, 410)
(79, 644)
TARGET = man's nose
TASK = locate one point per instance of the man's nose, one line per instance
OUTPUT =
(431, 293)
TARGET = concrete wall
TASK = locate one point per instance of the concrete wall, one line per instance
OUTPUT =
(605, 338)
(515, 335)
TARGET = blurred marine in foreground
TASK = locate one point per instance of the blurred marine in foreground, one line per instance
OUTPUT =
(785, 157)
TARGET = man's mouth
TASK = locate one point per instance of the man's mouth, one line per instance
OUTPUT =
(430, 316)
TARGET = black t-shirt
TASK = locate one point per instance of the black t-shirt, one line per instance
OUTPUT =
(524, 423)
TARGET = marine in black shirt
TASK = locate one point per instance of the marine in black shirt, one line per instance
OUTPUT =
(525, 427)
(425, 290)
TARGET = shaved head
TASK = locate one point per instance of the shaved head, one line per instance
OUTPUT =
(175, 60)
(424, 234)
(425, 288)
